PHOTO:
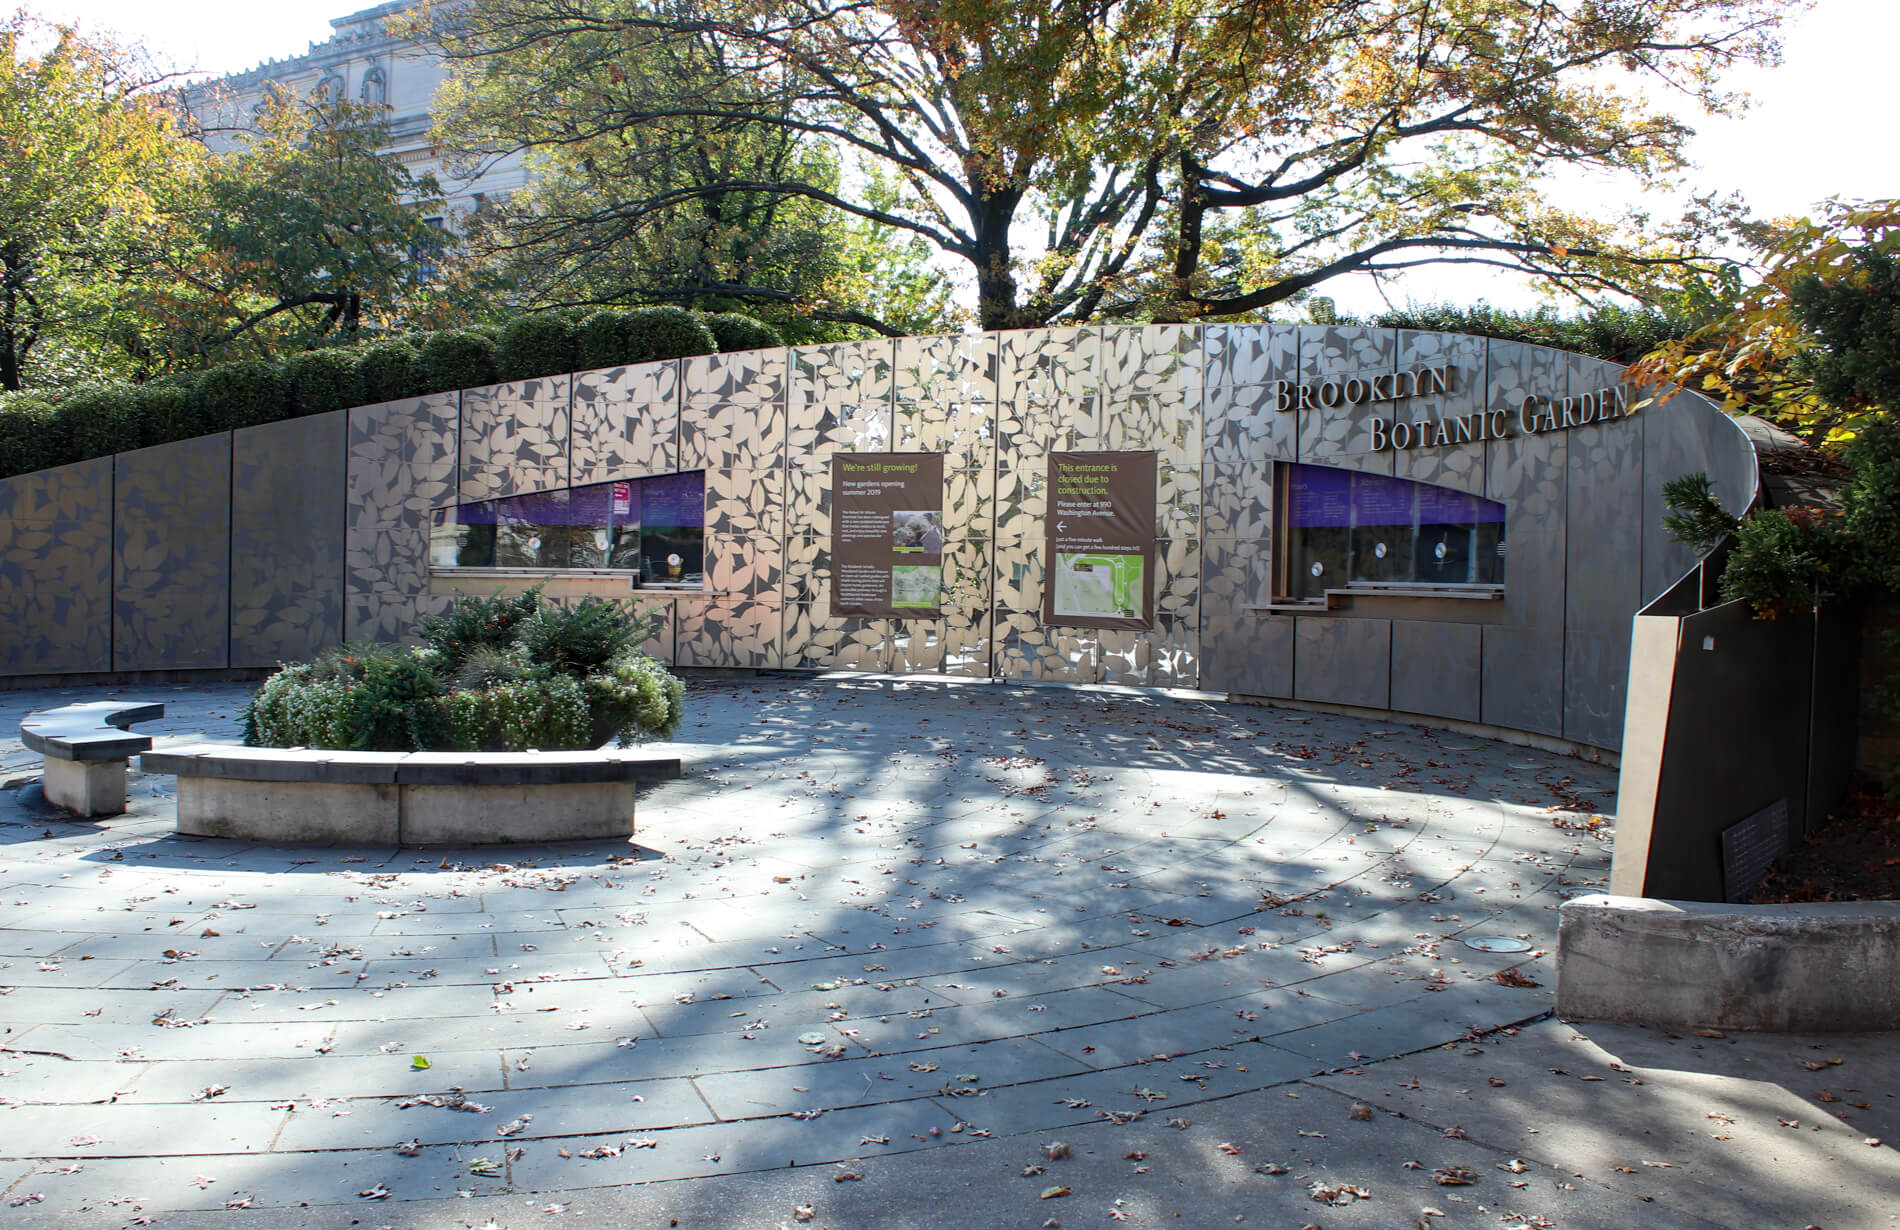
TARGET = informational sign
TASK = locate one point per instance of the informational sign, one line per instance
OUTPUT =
(1100, 540)
(887, 535)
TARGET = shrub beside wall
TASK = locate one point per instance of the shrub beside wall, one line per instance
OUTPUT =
(39, 430)
(494, 674)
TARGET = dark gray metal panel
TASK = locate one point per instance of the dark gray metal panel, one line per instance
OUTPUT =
(1736, 742)
(1523, 656)
(56, 570)
(1435, 668)
(1247, 654)
(1458, 466)
(1834, 728)
(287, 519)
(1687, 435)
(171, 559)
(401, 467)
(1338, 435)
(1603, 569)
(1343, 661)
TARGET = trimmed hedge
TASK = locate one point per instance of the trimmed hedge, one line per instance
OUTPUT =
(243, 394)
(455, 359)
(166, 412)
(97, 420)
(40, 430)
(29, 434)
(617, 338)
(737, 331)
(322, 381)
(531, 347)
(387, 371)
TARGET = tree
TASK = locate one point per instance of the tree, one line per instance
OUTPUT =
(1809, 342)
(662, 212)
(302, 235)
(1170, 160)
(85, 147)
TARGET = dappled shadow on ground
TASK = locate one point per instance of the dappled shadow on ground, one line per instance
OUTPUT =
(874, 908)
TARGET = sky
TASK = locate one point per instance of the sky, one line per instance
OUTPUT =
(1814, 130)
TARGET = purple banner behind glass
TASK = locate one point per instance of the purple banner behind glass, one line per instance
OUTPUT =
(541, 508)
(676, 499)
(1318, 498)
(1381, 501)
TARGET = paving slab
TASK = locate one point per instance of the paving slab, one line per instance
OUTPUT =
(883, 940)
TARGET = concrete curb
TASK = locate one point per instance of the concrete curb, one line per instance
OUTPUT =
(1830, 967)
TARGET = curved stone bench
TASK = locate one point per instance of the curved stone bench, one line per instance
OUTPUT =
(1826, 967)
(85, 748)
(406, 798)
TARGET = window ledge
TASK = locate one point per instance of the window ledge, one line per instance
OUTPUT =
(617, 575)
(1340, 599)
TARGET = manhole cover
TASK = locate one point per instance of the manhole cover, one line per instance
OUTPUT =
(1498, 943)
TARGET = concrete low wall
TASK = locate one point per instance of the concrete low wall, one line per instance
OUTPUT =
(406, 798)
(1830, 967)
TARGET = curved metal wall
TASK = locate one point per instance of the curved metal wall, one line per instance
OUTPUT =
(1584, 507)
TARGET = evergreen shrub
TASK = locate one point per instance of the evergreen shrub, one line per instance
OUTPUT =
(537, 345)
(242, 394)
(455, 359)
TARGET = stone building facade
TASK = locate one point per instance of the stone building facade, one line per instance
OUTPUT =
(363, 62)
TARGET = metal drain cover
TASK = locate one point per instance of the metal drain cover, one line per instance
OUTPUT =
(1498, 943)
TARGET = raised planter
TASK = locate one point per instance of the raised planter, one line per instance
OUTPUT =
(1831, 967)
(406, 798)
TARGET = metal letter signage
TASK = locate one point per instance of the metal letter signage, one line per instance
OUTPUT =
(1100, 546)
(887, 535)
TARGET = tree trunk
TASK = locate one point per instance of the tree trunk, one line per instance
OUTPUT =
(996, 289)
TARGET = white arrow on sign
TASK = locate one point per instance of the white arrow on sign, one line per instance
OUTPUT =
(1061, 526)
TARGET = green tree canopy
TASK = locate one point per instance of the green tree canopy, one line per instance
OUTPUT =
(1810, 340)
(85, 149)
(1143, 159)
(302, 234)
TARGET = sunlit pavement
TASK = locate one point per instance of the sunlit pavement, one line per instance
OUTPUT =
(886, 942)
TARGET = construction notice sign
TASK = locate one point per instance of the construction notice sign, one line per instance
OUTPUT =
(1101, 540)
(887, 535)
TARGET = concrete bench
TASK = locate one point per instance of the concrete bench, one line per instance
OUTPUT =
(85, 748)
(406, 798)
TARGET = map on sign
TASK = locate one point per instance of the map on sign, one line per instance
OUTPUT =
(1100, 586)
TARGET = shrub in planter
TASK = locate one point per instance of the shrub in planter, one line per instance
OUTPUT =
(581, 639)
(386, 371)
(30, 435)
(737, 331)
(167, 411)
(543, 344)
(323, 380)
(242, 394)
(359, 697)
(98, 420)
(635, 695)
(549, 714)
(475, 625)
(455, 359)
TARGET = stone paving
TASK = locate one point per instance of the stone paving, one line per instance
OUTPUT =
(879, 916)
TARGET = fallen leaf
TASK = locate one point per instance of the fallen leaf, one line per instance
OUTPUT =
(1052, 1193)
(1455, 1176)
